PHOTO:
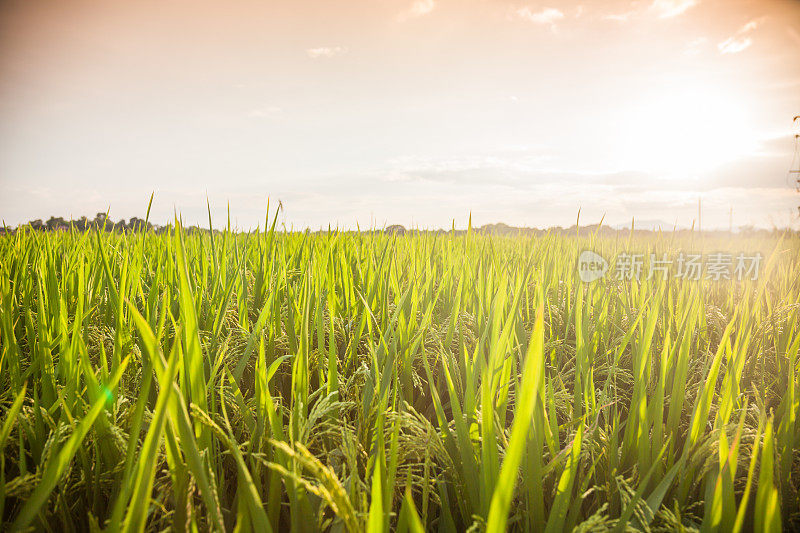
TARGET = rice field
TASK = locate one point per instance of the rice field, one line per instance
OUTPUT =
(344, 381)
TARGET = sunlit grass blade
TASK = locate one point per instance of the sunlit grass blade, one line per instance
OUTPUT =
(56, 467)
(528, 394)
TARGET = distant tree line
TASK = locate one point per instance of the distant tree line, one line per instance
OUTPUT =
(100, 221)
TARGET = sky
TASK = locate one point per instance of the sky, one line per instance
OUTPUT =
(412, 112)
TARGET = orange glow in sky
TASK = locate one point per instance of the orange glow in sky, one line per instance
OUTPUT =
(411, 112)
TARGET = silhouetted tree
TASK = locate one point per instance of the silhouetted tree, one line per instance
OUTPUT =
(99, 220)
(137, 224)
(53, 223)
(395, 228)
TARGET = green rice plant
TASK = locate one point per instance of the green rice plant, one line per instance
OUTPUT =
(427, 381)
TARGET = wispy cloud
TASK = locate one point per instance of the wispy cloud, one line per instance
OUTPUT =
(672, 8)
(734, 45)
(620, 17)
(695, 46)
(739, 41)
(419, 8)
(547, 16)
(661, 8)
(325, 51)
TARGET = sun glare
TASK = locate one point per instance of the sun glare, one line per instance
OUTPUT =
(529, 261)
(686, 131)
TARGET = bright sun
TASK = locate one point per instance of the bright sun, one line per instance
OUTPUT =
(684, 131)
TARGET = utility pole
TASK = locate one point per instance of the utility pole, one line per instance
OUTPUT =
(699, 215)
(730, 221)
(796, 171)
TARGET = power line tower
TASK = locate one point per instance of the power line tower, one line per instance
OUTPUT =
(795, 168)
